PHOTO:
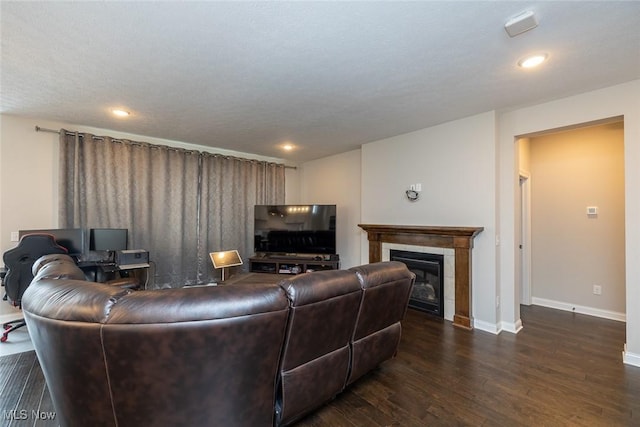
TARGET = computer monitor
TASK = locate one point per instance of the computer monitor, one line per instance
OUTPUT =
(108, 239)
(73, 239)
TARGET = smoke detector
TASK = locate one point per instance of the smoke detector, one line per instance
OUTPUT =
(521, 23)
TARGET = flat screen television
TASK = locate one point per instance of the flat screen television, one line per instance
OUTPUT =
(108, 239)
(73, 239)
(295, 229)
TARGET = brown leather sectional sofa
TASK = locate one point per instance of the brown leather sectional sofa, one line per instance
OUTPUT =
(236, 355)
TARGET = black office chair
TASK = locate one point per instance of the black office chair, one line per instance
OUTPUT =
(18, 262)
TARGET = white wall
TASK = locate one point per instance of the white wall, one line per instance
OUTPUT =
(620, 100)
(336, 180)
(29, 171)
(28, 167)
(455, 163)
(292, 186)
(524, 155)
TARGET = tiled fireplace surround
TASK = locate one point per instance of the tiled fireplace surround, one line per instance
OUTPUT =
(455, 243)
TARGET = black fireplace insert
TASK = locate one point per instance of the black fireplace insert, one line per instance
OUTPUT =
(427, 294)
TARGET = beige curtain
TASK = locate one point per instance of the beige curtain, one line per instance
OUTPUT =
(177, 204)
(230, 189)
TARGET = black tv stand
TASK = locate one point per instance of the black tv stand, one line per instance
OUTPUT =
(290, 264)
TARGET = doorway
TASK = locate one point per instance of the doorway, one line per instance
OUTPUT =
(570, 228)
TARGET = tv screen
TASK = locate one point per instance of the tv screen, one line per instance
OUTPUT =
(108, 239)
(295, 229)
(73, 239)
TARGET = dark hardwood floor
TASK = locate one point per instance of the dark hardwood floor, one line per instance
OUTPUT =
(562, 369)
(24, 399)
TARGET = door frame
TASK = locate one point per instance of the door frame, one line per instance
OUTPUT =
(525, 237)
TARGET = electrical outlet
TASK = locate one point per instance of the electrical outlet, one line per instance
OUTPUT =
(15, 236)
(597, 290)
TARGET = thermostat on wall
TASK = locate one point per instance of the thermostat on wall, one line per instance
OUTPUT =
(592, 211)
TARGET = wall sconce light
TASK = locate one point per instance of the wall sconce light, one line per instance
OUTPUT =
(413, 193)
(225, 259)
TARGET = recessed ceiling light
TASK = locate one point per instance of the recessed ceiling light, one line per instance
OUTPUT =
(287, 147)
(120, 113)
(533, 60)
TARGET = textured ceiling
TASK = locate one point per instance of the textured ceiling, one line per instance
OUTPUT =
(325, 76)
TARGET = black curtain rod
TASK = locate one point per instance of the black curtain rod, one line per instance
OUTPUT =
(41, 129)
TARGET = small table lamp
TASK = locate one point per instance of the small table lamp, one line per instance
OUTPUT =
(225, 259)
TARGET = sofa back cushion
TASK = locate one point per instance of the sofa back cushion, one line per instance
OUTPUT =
(316, 355)
(386, 289)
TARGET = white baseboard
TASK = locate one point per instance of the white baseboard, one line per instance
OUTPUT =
(630, 358)
(497, 328)
(486, 326)
(596, 312)
(513, 328)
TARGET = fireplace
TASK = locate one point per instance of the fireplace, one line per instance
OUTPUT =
(457, 239)
(428, 291)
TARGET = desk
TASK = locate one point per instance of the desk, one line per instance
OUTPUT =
(105, 271)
